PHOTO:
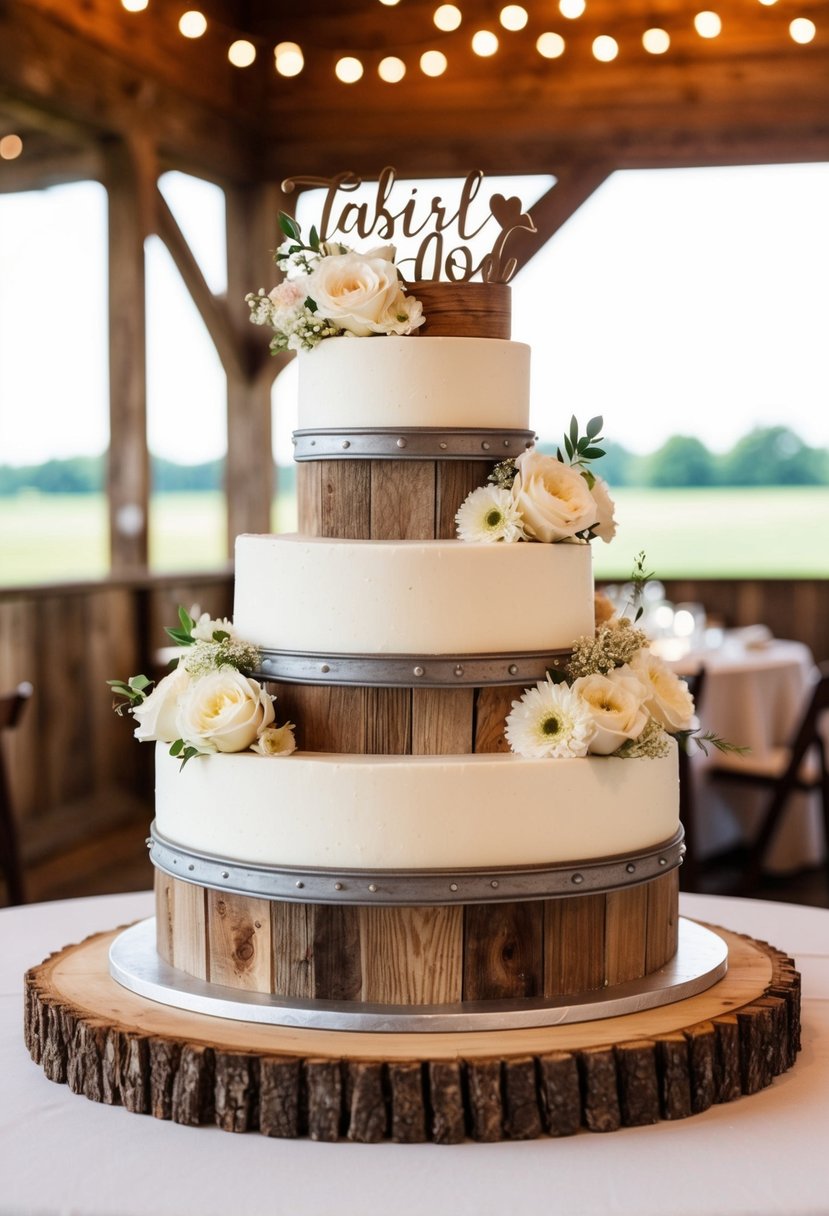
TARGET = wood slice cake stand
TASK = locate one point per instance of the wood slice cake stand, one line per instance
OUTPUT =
(668, 1063)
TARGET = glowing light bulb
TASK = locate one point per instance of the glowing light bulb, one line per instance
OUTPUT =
(134, 6)
(241, 53)
(513, 17)
(433, 63)
(571, 8)
(348, 69)
(708, 24)
(656, 41)
(802, 29)
(605, 48)
(484, 43)
(192, 24)
(288, 59)
(10, 147)
(391, 69)
(550, 45)
(447, 17)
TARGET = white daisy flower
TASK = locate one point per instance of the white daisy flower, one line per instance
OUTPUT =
(550, 720)
(489, 514)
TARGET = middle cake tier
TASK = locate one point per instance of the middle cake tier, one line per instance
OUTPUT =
(306, 594)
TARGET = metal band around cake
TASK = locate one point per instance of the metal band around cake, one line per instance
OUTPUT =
(414, 887)
(410, 443)
(409, 671)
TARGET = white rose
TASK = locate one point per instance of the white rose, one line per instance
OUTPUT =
(224, 711)
(276, 741)
(616, 706)
(553, 498)
(605, 526)
(667, 697)
(355, 291)
(156, 716)
(206, 626)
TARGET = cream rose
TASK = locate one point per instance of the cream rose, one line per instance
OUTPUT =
(554, 500)
(356, 291)
(667, 697)
(605, 525)
(615, 702)
(223, 711)
(276, 741)
(156, 715)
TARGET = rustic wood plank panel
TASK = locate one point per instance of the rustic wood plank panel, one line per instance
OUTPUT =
(111, 649)
(328, 719)
(625, 933)
(491, 708)
(411, 956)
(65, 763)
(402, 499)
(455, 479)
(574, 944)
(20, 661)
(292, 941)
(663, 920)
(442, 721)
(309, 497)
(240, 951)
(188, 914)
(388, 721)
(345, 501)
(337, 955)
(164, 910)
(503, 951)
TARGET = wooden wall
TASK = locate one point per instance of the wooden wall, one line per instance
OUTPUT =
(75, 768)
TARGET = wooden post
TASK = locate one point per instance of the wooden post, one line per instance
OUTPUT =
(130, 180)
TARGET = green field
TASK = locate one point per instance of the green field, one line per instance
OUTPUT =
(725, 533)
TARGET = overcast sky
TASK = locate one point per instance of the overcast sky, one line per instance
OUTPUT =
(674, 301)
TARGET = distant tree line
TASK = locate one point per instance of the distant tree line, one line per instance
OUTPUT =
(766, 456)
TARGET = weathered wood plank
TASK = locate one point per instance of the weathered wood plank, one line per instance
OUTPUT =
(402, 499)
(503, 955)
(388, 721)
(337, 966)
(454, 480)
(345, 500)
(292, 942)
(662, 920)
(239, 946)
(309, 497)
(328, 719)
(625, 930)
(410, 955)
(574, 944)
(491, 708)
(188, 904)
(442, 721)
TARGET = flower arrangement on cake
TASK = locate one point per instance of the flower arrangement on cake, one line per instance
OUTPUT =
(543, 498)
(207, 703)
(331, 290)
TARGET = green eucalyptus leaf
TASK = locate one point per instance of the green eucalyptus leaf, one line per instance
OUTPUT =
(594, 426)
(574, 430)
(289, 226)
(314, 238)
(177, 747)
(593, 453)
(568, 447)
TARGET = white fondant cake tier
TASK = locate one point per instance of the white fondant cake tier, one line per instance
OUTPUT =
(299, 593)
(414, 381)
(414, 812)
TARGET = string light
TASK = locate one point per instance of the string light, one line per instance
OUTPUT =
(433, 63)
(134, 6)
(571, 8)
(241, 53)
(802, 29)
(605, 48)
(550, 45)
(447, 17)
(10, 147)
(391, 69)
(513, 17)
(707, 24)
(656, 41)
(484, 43)
(348, 69)
(192, 24)
(288, 59)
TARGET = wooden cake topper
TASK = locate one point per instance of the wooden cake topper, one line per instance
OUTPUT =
(377, 219)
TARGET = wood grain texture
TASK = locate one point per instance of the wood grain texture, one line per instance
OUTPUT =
(388, 721)
(662, 920)
(626, 919)
(402, 499)
(188, 913)
(292, 942)
(240, 952)
(455, 479)
(491, 708)
(328, 719)
(411, 956)
(345, 499)
(442, 721)
(574, 944)
(309, 497)
(503, 956)
(464, 310)
(336, 951)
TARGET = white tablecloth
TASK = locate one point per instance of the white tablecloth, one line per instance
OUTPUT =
(761, 1156)
(754, 697)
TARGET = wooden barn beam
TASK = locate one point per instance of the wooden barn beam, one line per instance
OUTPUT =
(52, 169)
(252, 230)
(130, 180)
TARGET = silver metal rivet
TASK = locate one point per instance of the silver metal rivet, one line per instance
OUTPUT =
(148, 841)
(485, 445)
(494, 882)
(401, 443)
(444, 446)
(683, 850)
(225, 874)
(578, 879)
(372, 886)
(313, 443)
(418, 671)
(556, 662)
(175, 861)
(513, 669)
(346, 443)
(453, 886)
(663, 861)
(191, 867)
(458, 670)
(324, 667)
(300, 885)
(630, 867)
(506, 443)
(338, 886)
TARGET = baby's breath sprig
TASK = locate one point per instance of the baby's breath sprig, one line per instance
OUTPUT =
(581, 449)
(614, 645)
(503, 475)
(227, 652)
(653, 743)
